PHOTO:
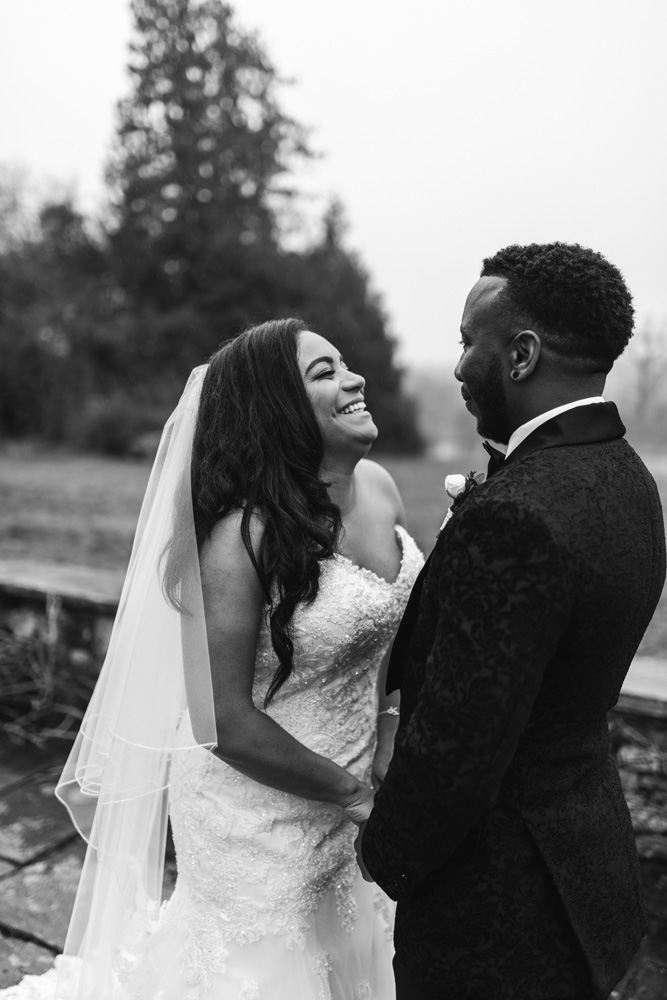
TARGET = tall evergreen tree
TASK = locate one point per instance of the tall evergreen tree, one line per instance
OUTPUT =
(203, 148)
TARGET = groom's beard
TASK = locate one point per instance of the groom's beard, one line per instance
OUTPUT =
(493, 420)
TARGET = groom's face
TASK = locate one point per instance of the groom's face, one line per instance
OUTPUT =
(482, 365)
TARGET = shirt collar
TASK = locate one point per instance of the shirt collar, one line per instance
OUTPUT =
(522, 432)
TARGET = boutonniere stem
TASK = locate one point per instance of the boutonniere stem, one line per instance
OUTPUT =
(457, 488)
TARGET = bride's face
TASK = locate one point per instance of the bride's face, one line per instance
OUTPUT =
(337, 397)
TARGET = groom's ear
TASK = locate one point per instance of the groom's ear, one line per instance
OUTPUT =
(525, 351)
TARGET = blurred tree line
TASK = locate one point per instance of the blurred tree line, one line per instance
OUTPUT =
(101, 320)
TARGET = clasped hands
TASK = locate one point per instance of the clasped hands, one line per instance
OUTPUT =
(358, 808)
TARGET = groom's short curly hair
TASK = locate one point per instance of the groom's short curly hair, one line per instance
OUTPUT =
(572, 296)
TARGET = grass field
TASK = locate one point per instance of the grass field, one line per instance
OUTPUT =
(62, 507)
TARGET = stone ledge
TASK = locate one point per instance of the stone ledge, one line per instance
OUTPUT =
(77, 586)
(644, 690)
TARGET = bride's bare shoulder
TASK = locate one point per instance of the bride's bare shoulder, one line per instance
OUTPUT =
(379, 484)
(374, 475)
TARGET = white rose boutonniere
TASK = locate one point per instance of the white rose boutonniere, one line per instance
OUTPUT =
(457, 488)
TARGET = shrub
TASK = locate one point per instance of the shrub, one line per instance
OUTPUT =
(110, 425)
(45, 689)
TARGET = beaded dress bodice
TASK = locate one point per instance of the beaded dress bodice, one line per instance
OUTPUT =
(329, 702)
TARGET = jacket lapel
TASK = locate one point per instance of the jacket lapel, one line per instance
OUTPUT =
(588, 424)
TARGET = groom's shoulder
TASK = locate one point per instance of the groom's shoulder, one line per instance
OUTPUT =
(570, 486)
(602, 464)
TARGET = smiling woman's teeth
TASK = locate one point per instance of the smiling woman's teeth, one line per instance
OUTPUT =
(354, 408)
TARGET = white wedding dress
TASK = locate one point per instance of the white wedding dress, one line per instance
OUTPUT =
(269, 903)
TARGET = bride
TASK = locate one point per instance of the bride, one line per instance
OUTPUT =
(239, 697)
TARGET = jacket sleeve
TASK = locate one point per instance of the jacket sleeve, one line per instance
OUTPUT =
(502, 600)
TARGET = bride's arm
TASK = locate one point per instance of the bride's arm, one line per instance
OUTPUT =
(248, 739)
(387, 723)
(384, 491)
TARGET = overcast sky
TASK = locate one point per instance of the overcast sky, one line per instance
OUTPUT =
(449, 128)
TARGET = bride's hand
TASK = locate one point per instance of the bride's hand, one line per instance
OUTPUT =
(357, 806)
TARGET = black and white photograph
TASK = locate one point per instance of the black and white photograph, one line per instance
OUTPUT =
(333, 470)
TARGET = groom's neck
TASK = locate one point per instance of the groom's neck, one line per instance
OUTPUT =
(540, 397)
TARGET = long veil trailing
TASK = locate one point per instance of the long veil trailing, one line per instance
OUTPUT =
(116, 780)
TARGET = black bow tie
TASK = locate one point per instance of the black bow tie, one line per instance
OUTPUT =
(496, 458)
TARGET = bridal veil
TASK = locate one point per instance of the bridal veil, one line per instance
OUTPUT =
(116, 780)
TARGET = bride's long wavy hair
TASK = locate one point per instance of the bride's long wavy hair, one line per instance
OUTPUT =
(258, 448)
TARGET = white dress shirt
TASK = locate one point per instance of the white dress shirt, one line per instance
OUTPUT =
(522, 432)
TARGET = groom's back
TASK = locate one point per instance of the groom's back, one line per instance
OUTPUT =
(601, 506)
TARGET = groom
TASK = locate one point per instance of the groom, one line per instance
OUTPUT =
(501, 827)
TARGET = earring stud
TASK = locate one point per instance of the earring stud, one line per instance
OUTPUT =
(515, 374)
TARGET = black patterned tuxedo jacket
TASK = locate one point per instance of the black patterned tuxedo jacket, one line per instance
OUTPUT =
(501, 827)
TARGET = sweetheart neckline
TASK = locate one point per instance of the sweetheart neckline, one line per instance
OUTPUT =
(400, 532)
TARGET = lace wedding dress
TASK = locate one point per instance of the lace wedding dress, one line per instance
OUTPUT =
(269, 903)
